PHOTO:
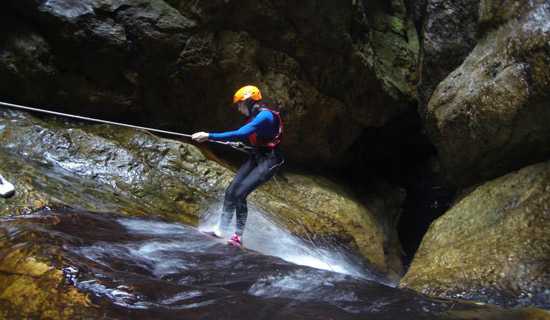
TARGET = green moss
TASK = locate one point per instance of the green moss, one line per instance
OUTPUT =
(30, 288)
(396, 49)
(397, 25)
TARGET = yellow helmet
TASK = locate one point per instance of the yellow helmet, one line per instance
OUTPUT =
(247, 92)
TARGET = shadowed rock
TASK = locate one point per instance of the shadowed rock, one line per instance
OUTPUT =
(448, 35)
(170, 64)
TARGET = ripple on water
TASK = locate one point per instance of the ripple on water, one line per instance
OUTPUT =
(155, 270)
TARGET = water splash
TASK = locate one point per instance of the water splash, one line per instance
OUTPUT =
(264, 235)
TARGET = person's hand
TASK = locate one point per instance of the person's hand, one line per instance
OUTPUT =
(200, 136)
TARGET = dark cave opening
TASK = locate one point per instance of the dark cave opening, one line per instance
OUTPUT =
(401, 154)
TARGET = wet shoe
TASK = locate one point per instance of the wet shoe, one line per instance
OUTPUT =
(235, 241)
(6, 189)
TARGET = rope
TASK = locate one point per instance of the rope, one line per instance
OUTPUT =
(235, 145)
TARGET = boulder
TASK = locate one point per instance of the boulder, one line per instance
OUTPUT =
(490, 115)
(448, 34)
(492, 246)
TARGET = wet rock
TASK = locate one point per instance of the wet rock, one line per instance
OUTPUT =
(490, 115)
(392, 51)
(492, 245)
(110, 169)
(101, 168)
(318, 209)
(494, 13)
(165, 63)
(31, 284)
(96, 53)
(26, 62)
(448, 35)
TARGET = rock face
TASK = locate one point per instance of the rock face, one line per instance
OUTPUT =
(105, 169)
(448, 35)
(318, 209)
(172, 63)
(493, 245)
(32, 284)
(491, 115)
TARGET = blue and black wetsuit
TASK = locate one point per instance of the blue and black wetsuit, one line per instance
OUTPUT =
(261, 165)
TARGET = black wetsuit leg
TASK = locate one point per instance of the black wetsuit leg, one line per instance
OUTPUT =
(230, 201)
(259, 168)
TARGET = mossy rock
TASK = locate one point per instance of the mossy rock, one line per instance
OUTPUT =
(493, 13)
(104, 169)
(518, 314)
(448, 35)
(318, 209)
(493, 245)
(32, 286)
(490, 116)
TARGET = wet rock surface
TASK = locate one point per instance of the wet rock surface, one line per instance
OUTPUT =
(141, 268)
(448, 34)
(31, 285)
(490, 115)
(491, 246)
(110, 169)
(134, 172)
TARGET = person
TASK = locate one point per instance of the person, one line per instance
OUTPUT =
(263, 130)
(6, 188)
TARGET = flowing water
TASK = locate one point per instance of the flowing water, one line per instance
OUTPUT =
(264, 235)
(148, 269)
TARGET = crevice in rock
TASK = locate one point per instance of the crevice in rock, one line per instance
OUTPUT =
(402, 155)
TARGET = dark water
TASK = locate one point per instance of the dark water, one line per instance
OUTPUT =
(147, 269)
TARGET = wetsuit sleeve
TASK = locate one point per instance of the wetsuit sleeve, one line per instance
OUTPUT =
(263, 118)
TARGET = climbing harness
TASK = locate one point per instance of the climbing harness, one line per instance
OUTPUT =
(235, 145)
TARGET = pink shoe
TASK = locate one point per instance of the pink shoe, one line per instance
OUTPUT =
(235, 241)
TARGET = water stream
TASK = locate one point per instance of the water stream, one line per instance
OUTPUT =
(266, 236)
(149, 269)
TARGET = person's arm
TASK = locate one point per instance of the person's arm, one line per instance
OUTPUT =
(243, 132)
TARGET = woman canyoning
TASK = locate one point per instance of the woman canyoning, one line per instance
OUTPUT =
(263, 130)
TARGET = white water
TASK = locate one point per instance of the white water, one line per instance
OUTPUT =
(266, 236)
